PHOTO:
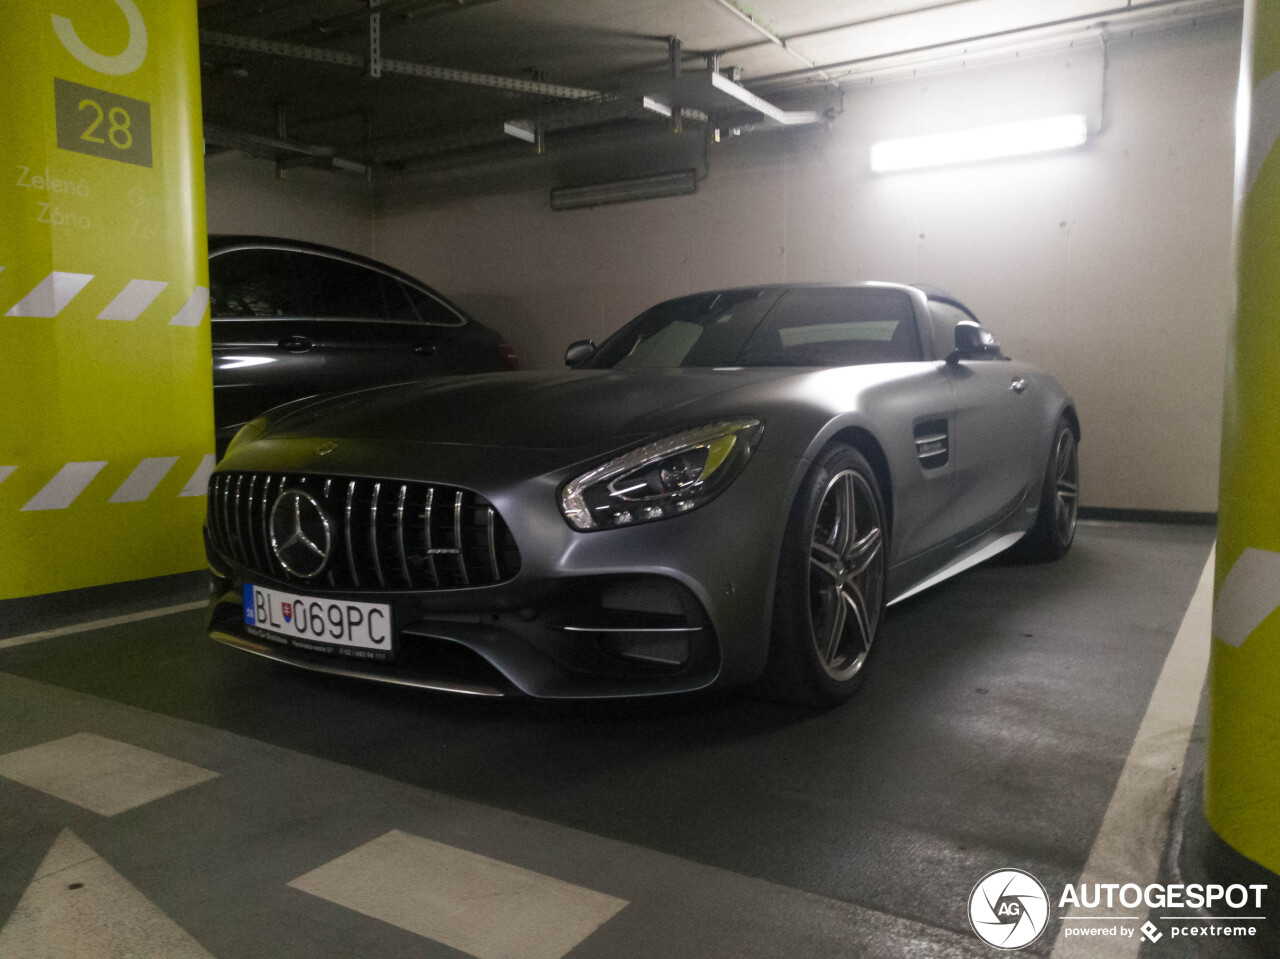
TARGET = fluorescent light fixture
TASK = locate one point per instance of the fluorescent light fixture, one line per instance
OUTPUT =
(982, 143)
(677, 183)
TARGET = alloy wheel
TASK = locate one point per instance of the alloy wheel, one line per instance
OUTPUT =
(846, 574)
(1066, 470)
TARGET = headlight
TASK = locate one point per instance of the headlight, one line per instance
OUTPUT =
(666, 478)
(247, 433)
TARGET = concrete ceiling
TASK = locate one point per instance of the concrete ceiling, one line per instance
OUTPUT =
(280, 100)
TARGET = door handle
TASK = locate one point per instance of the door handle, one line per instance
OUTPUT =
(296, 343)
(1019, 384)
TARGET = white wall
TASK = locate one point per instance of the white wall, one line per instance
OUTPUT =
(243, 195)
(1108, 266)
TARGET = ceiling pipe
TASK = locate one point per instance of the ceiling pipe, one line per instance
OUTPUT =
(769, 35)
(1129, 11)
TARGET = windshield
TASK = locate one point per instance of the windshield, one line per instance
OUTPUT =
(813, 326)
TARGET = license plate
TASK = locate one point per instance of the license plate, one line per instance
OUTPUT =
(325, 625)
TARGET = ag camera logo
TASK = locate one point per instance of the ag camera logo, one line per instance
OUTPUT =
(1008, 909)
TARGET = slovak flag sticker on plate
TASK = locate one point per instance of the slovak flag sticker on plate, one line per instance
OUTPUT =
(287, 609)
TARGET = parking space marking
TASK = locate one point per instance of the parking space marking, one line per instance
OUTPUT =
(100, 624)
(146, 476)
(1136, 825)
(481, 906)
(77, 905)
(99, 774)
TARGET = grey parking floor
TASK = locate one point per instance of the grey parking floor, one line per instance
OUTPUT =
(161, 789)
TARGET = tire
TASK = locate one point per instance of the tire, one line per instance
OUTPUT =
(829, 600)
(1055, 526)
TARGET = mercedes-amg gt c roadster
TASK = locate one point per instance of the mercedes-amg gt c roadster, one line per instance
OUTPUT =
(729, 490)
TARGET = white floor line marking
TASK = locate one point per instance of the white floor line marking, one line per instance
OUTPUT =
(478, 905)
(70, 481)
(77, 905)
(192, 311)
(132, 300)
(1136, 825)
(51, 294)
(146, 476)
(101, 624)
(99, 774)
(198, 485)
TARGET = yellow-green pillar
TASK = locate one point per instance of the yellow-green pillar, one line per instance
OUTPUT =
(106, 425)
(1242, 775)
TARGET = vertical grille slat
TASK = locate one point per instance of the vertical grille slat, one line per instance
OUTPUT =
(404, 553)
(235, 508)
(457, 538)
(419, 536)
(429, 539)
(490, 538)
(373, 535)
(347, 537)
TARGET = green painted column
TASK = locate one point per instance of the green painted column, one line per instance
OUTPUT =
(106, 425)
(1242, 775)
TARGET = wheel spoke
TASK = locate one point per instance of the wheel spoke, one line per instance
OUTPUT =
(847, 511)
(857, 604)
(836, 615)
(1067, 489)
(864, 553)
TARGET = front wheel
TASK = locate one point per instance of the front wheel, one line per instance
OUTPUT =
(831, 575)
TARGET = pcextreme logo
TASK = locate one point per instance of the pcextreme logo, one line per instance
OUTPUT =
(1009, 909)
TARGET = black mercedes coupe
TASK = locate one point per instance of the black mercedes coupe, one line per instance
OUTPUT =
(730, 489)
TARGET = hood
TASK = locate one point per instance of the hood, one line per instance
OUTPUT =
(549, 411)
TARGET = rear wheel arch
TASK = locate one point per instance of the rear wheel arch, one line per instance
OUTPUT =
(1070, 413)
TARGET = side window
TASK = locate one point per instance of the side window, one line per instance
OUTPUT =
(259, 283)
(837, 327)
(346, 290)
(430, 309)
(945, 317)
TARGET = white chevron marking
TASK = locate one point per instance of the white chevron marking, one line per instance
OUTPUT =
(6, 472)
(192, 311)
(132, 300)
(198, 485)
(1249, 594)
(61, 491)
(78, 905)
(145, 477)
(51, 294)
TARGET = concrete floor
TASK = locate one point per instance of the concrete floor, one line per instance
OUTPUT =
(990, 733)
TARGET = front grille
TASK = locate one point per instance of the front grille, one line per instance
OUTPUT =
(384, 534)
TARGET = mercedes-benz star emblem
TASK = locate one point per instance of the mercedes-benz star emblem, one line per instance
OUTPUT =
(300, 535)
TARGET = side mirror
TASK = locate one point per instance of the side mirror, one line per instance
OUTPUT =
(973, 342)
(579, 352)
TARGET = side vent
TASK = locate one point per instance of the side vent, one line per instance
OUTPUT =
(932, 444)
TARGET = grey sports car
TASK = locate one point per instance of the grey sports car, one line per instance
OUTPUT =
(730, 489)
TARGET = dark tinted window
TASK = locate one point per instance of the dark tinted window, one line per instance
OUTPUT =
(945, 317)
(260, 283)
(431, 309)
(836, 327)
(346, 290)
